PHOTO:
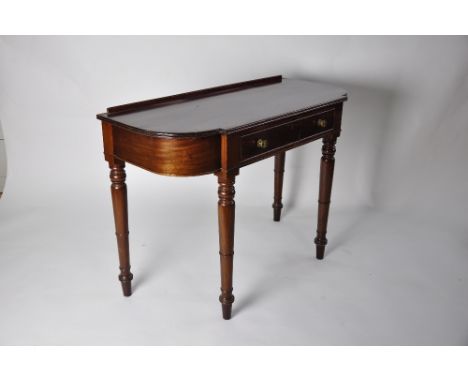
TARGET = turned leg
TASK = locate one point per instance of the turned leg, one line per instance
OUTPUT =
(226, 213)
(119, 203)
(278, 193)
(327, 165)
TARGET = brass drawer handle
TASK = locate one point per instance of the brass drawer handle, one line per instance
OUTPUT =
(262, 143)
(322, 123)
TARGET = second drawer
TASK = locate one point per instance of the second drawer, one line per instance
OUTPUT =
(273, 138)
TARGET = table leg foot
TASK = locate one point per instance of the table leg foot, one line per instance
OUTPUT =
(227, 309)
(126, 281)
(319, 249)
(226, 299)
(277, 214)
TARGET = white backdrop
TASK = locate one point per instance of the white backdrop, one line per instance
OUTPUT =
(403, 146)
(404, 129)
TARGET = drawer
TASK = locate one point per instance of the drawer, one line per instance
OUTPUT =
(274, 138)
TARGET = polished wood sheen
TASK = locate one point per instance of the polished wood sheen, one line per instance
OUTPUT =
(278, 193)
(218, 131)
(226, 217)
(239, 106)
(119, 202)
(168, 156)
(326, 178)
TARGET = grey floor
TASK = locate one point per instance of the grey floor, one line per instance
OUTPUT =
(386, 279)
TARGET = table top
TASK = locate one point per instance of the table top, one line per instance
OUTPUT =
(217, 110)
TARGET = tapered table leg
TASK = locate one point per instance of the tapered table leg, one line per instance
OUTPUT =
(327, 165)
(119, 203)
(226, 217)
(278, 193)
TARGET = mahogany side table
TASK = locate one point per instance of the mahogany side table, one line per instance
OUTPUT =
(218, 131)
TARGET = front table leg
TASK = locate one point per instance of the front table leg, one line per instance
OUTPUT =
(327, 165)
(119, 203)
(279, 172)
(226, 214)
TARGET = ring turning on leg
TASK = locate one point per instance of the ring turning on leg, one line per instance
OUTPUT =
(326, 178)
(226, 217)
(279, 172)
(119, 203)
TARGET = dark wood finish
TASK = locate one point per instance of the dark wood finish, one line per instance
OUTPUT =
(220, 130)
(226, 217)
(242, 108)
(190, 96)
(327, 165)
(168, 156)
(119, 203)
(278, 192)
(290, 132)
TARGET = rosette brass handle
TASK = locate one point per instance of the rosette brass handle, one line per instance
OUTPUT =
(262, 143)
(322, 122)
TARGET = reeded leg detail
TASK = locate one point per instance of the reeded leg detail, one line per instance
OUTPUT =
(226, 217)
(119, 203)
(327, 165)
(278, 193)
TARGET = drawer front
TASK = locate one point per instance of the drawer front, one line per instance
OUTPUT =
(276, 137)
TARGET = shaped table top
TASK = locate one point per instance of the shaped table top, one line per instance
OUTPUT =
(216, 110)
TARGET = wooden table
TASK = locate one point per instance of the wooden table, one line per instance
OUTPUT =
(218, 131)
